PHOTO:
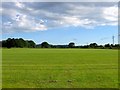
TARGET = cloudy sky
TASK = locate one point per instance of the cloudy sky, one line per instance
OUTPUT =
(60, 22)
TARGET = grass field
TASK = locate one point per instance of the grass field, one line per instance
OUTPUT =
(60, 68)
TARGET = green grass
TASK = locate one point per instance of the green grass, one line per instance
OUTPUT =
(60, 68)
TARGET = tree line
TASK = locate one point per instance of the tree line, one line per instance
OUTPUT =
(21, 43)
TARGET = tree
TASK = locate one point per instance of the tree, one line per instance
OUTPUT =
(117, 46)
(93, 45)
(108, 46)
(45, 45)
(22, 43)
(71, 45)
(30, 44)
(0, 44)
(4, 43)
(17, 43)
(8, 43)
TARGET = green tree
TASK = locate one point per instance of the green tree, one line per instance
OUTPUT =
(18, 43)
(8, 43)
(93, 45)
(45, 45)
(30, 44)
(108, 46)
(71, 45)
(4, 43)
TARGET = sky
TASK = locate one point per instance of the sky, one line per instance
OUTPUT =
(60, 22)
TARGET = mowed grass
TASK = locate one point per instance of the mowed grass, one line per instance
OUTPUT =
(60, 68)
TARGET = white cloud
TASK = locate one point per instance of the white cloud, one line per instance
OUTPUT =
(18, 4)
(1, 10)
(39, 27)
(43, 16)
(7, 24)
(111, 13)
(24, 23)
(78, 22)
(61, 0)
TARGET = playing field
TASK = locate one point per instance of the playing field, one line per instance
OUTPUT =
(60, 68)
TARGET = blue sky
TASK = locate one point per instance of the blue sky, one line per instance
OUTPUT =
(60, 23)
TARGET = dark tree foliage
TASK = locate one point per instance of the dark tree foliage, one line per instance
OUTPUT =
(59, 46)
(0, 43)
(45, 45)
(117, 45)
(8, 43)
(93, 45)
(30, 44)
(71, 45)
(108, 46)
(4, 43)
(21, 43)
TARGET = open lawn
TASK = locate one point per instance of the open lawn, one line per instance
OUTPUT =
(60, 68)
